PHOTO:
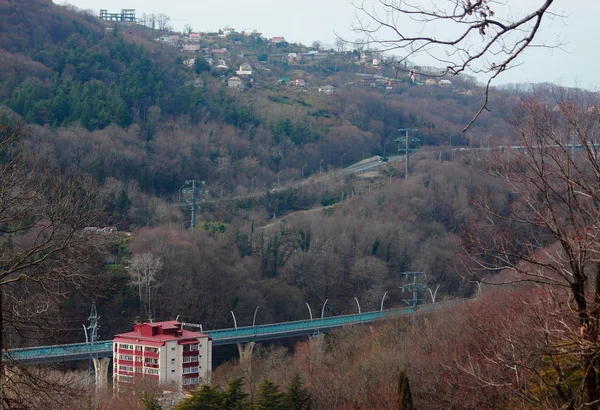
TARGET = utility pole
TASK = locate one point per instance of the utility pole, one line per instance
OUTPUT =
(413, 287)
(407, 141)
(191, 189)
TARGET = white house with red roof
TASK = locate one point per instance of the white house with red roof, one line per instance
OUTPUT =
(175, 357)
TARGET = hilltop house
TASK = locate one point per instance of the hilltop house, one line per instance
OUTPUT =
(234, 82)
(275, 40)
(245, 69)
(326, 89)
(300, 83)
(194, 37)
(191, 47)
(445, 83)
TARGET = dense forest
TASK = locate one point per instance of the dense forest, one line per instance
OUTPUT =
(101, 125)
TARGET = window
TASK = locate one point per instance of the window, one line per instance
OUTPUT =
(151, 371)
(172, 361)
(190, 359)
(172, 349)
(190, 348)
(151, 349)
(138, 348)
(127, 379)
(173, 371)
(188, 370)
(191, 380)
(138, 358)
(126, 368)
(148, 362)
(138, 370)
(126, 346)
(125, 357)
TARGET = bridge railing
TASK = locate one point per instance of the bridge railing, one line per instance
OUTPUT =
(222, 336)
(58, 351)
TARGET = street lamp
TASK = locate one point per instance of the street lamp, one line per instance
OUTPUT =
(357, 304)
(304, 166)
(253, 178)
(222, 189)
(433, 294)
(309, 311)
(384, 147)
(279, 173)
(341, 160)
(323, 310)
(234, 321)
(382, 299)
(366, 148)
(320, 162)
(254, 319)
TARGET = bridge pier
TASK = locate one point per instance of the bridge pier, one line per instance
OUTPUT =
(101, 371)
(245, 350)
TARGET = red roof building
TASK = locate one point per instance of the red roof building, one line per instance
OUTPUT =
(175, 357)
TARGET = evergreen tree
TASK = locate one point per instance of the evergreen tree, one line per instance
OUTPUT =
(234, 396)
(268, 397)
(297, 398)
(207, 398)
(403, 396)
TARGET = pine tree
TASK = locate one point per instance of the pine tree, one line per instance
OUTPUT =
(296, 397)
(403, 397)
(234, 396)
(207, 398)
(268, 397)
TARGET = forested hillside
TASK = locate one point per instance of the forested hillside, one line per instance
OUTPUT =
(110, 101)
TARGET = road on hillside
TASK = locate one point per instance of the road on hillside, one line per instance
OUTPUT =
(352, 169)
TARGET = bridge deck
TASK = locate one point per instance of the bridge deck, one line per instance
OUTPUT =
(81, 351)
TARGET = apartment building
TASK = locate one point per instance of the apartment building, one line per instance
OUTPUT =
(176, 358)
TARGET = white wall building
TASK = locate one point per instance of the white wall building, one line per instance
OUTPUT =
(175, 358)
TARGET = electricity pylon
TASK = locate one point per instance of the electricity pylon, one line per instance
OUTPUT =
(413, 287)
(407, 140)
(191, 190)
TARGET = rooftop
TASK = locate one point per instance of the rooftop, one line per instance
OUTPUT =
(160, 332)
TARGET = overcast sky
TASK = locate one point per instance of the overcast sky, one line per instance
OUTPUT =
(575, 64)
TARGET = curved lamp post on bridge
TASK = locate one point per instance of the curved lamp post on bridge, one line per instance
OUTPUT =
(254, 318)
(323, 310)
(382, 299)
(234, 321)
(342, 161)
(433, 294)
(320, 162)
(357, 304)
(309, 311)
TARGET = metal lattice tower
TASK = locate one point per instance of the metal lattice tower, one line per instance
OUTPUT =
(407, 141)
(191, 191)
(91, 333)
(413, 287)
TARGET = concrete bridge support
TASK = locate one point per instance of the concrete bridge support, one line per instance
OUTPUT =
(101, 370)
(245, 350)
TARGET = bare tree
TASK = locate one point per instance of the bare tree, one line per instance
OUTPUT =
(144, 270)
(547, 233)
(483, 36)
(340, 44)
(163, 21)
(45, 253)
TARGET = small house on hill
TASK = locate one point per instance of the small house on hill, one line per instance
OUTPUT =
(234, 82)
